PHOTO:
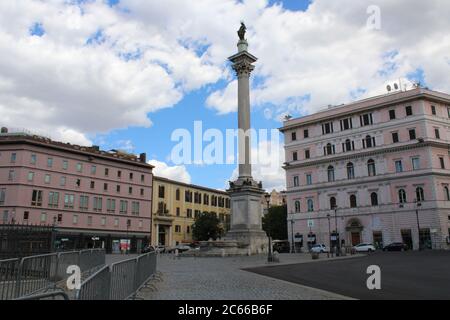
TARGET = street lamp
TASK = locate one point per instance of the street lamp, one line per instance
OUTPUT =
(128, 240)
(292, 234)
(329, 233)
(270, 255)
(338, 238)
(418, 204)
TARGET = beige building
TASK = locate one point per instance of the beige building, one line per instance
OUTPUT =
(177, 204)
(277, 199)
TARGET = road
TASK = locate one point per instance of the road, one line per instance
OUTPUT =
(404, 275)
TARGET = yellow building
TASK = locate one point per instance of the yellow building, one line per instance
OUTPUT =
(176, 205)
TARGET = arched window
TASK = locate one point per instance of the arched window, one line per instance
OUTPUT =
(401, 196)
(420, 194)
(369, 142)
(330, 174)
(374, 199)
(350, 171)
(447, 193)
(353, 203)
(329, 149)
(371, 168)
(332, 203)
(310, 205)
(297, 206)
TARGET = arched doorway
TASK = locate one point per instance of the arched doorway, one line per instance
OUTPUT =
(354, 229)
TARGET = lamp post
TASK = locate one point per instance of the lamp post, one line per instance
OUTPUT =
(329, 233)
(418, 204)
(53, 238)
(292, 234)
(128, 240)
(338, 238)
(270, 255)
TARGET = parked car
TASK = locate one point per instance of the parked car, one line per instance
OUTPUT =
(180, 248)
(319, 248)
(281, 246)
(148, 249)
(396, 246)
(160, 249)
(364, 247)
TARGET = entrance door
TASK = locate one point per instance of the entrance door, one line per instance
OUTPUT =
(162, 237)
(356, 238)
(407, 238)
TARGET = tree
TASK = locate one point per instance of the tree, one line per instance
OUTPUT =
(275, 221)
(207, 226)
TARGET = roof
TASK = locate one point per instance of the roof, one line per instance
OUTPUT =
(189, 185)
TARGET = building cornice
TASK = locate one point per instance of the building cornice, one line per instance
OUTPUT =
(187, 185)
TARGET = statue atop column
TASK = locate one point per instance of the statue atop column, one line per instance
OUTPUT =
(242, 31)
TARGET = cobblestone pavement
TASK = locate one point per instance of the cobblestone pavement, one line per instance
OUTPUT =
(189, 278)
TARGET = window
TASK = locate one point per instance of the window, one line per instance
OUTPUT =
(47, 179)
(116, 222)
(296, 181)
(415, 163)
(69, 200)
(78, 183)
(307, 154)
(309, 179)
(306, 132)
(178, 195)
(420, 196)
(33, 159)
(62, 181)
(346, 124)
(89, 220)
(93, 170)
(103, 221)
(402, 196)
(131, 176)
(36, 198)
(331, 176)
(366, 119)
(294, 156)
(189, 213)
(43, 217)
(442, 162)
(105, 187)
(447, 193)
(297, 206)
(142, 192)
(369, 142)
(53, 199)
(118, 188)
(409, 111)
(79, 167)
(11, 175)
(178, 212)
(50, 162)
(353, 202)
(26, 215)
(327, 128)
(30, 176)
(206, 199)
(350, 171)
(106, 172)
(75, 219)
(92, 184)
(119, 174)
(98, 204)
(398, 166)
(123, 207)
(13, 157)
(188, 229)
(348, 145)
(333, 203)
(437, 134)
(141, 224)
(111, 205)
(294, 136)
(65, 164)
(433, 110)
(142, 178)
(84, 203)
(395, 138)
(161, 192)
(374, 199)
(2, 197)
(5, 216)
(371, 168)
(130, 190)
(329, 149)
(310, 205)
(135, 208)
(178, 229)
(188, 197)
(391, 114)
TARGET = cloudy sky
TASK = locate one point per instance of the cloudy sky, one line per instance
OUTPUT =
(126, 73)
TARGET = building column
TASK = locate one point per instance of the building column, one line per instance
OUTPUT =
(157, 235)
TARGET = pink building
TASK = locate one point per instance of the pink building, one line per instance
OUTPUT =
(375, 171)
(92, 197)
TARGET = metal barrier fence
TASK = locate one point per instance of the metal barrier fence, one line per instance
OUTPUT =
(121, 281)
(31, 275)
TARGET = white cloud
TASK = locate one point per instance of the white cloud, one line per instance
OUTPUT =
(177, 173)
(147, 55)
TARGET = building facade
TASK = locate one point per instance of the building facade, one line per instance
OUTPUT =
(91, 197)
(377, 171)
(176, 205)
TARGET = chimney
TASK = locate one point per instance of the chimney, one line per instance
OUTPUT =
(4, 130)
(143, 157)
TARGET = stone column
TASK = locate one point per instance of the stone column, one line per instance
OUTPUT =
(242, 65)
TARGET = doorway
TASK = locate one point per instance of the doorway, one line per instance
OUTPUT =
(356, 238)
(407, 238)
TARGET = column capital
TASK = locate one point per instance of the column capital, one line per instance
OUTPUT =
(243, 63)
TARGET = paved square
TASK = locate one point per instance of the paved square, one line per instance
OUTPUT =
(404, 275)
(223, 279)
